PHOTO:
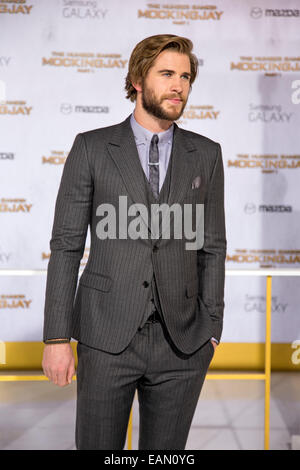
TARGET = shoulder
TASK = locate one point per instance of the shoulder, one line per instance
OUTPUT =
(100, 133)
(200, 140)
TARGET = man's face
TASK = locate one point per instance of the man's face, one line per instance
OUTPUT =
(166, 88)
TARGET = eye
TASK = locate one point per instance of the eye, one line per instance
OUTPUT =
(186, 77)
(167, 74)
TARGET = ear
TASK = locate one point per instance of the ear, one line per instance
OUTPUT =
(137, 85)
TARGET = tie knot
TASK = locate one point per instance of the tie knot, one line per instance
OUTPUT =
(154, 139)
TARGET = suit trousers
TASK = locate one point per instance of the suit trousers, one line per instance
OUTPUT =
(168, 385)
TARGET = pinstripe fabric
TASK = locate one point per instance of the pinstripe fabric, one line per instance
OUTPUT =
(168, 385)
(162, 198)
(111, 297)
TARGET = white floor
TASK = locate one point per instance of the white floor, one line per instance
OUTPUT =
(229, 415)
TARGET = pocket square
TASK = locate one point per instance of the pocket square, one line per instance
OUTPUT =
(196, 182)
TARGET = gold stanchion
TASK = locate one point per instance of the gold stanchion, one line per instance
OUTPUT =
(129, 432)
(268, 361)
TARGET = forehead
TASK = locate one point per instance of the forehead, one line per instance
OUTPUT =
(172, 60)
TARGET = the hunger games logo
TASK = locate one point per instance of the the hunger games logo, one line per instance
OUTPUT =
(180, 14)
(15, 108)
(14, 301)
(14, 205)
(15, 6)
(265, 258)
(86, 62)
(46, 256)
(201, 112)
(267, 163)
(195, 112)
(56, 158)
(269, 65)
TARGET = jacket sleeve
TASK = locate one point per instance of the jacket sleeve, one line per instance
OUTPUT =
(71, 220)
(211, 257)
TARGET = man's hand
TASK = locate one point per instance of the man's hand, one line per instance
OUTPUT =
(214, 344)
(59, 363)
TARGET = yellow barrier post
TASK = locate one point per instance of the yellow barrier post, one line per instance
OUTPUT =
(268, 361)
(129, 432)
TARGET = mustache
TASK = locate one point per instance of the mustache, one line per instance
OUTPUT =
(172, 97)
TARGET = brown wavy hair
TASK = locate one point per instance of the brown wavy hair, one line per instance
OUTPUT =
(145, 53)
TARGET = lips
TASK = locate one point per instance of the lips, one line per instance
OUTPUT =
(175, 100)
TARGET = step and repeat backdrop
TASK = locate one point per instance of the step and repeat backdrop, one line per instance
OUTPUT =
(62, 71)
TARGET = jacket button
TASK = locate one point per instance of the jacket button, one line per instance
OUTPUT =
(146, 284)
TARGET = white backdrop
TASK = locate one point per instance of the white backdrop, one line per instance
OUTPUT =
(62, 71)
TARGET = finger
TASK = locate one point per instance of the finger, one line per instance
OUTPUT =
(47, 370)
(71, 372)
(47, 373)
(61, 378)
(52, 375)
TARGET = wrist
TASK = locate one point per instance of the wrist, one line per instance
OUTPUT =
(214, 340)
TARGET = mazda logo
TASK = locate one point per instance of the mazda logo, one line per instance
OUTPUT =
(66, 108)
(250, 208)
(256, 12)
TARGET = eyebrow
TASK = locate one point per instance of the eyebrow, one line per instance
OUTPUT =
(172, 71)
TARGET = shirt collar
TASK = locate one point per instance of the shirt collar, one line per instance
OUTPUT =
(142, 134)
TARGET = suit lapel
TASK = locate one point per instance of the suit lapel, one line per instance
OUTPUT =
(123, 151)
(183, 169)
(182, 166)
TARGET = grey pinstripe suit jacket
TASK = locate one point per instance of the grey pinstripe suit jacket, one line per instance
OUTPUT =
(105, 308)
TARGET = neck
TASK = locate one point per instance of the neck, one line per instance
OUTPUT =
(150, 122)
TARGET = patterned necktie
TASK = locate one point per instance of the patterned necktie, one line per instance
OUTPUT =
(154, 166)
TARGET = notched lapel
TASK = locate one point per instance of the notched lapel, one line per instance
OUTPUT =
(183, 169)
(183, 166)
(122, 149)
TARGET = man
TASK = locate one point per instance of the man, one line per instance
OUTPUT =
(148, 311)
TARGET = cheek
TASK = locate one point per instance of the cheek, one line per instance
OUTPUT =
(157, 90)
(186, 88)
(162, 93)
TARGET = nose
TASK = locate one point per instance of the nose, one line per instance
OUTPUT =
(176, 85)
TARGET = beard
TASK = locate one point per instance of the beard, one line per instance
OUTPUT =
(153, 105)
